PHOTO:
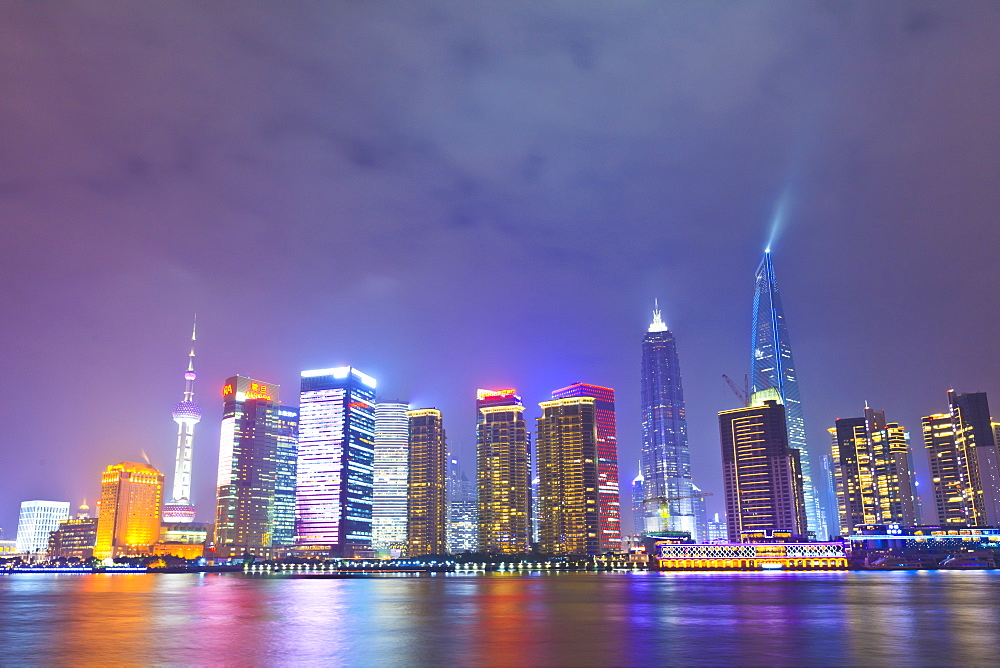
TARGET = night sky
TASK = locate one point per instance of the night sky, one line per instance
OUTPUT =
(452, 195)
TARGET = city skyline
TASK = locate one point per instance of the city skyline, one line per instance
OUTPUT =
(493, 200)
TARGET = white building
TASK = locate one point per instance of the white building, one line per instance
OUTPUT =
(38, 519)
(392, 447)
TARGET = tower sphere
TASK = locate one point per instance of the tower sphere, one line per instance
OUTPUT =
(187, 411)
(190, 375)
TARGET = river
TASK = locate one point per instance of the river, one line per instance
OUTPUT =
(559, 619)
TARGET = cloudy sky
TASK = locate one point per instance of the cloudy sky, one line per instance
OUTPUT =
(452, 195)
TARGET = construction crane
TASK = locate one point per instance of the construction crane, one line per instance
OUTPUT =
(742, 394)
(664, 502)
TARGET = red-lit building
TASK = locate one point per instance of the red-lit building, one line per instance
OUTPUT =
(607, 460)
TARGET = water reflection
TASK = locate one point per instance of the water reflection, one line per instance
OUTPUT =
(576, 619)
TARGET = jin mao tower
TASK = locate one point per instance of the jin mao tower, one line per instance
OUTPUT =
(666, 459)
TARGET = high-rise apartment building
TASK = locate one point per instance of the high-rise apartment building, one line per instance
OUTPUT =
(503, 473)
(666, 459)
(427, 507)
(255, 508)
(462, 510)
(186, 414)
(772, 366)
(392, 433)
(871, 464)
(609, 512)
(965, 472)
(762, 474)
(128, 522)
(335, 465)
(37, 520)
(568, 490)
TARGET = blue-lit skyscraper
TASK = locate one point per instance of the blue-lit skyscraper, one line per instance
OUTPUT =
(771, 365)
(335, 463)
(666, 459)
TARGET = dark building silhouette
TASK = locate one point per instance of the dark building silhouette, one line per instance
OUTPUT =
(762, 474)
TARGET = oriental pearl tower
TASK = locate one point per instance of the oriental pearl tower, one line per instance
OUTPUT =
(186, 414)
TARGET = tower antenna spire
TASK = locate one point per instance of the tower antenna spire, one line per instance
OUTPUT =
(194, 337)
(657, 325)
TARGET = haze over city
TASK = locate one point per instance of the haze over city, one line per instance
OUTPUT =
(451, 196)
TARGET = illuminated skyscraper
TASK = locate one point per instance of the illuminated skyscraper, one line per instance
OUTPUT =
(607, 460)
(638, 503)
(700, 516)
(761, 472)
(427, 507)
(871, 464)
(128, 523)
(503, 473)
(255, 511)
(186, 414)
(392, 429)
(965, 472)
(666, 459)
(717, 530)
(336, 458)
(462, 511)
(771, 365)
(37, 520)
(568, 496)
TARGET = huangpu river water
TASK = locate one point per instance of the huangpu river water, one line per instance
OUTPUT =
(569, 619)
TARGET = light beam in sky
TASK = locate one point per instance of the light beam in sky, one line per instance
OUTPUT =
(779, 217)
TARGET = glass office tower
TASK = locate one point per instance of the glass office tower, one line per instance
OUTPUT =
(37, 520)
(462, 510)
(255, 506)
(392, 433)
(771, 365)
(336, 462)
(666, 459)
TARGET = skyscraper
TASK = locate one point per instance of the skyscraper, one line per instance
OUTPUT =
(771, 365)
(503, 473)
(965, 471)
(871, 464)
(255, 509)
(186, 414)
(568, 494)
(392, 430)
(462, 511)
(638, 503)
(37, 520)
(666, 459)
(128, 523)
(761, 472)
(427, 497)
(335, 464)
(609, 512)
